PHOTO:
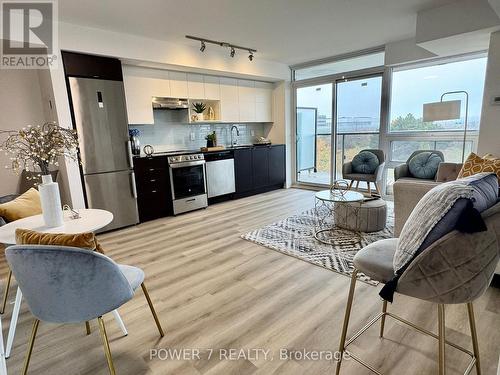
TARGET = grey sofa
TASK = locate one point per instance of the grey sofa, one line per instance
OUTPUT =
(375, 177)
(409, 190)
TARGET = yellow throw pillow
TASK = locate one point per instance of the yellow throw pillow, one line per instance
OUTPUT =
(80, 240)
(476, 164)
(27, 204)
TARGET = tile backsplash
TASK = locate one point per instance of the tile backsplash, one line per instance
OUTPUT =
(170, 133)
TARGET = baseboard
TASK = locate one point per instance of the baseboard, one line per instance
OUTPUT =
(495, 282)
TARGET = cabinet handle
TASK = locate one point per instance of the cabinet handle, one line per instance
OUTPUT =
(151, 169)
(130, 155)
(152, 180)
(134, 187)
(153, 191)
(190, 200)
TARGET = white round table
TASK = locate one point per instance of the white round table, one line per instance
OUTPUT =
(90, 220)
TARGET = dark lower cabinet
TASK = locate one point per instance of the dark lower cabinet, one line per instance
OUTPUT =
(260, 160)
(277, 165)
(259, 169)
(154, 198)
(243, 173)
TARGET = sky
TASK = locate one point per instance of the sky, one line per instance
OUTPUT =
(410, 90)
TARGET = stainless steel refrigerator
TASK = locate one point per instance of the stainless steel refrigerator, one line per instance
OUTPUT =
(107, 165)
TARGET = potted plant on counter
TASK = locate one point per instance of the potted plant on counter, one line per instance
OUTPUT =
(211, 139)
(199, 108)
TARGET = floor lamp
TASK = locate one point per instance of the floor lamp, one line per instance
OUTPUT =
(448, 110)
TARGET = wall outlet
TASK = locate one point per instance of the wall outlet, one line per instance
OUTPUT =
(192, 136)
(252, 133)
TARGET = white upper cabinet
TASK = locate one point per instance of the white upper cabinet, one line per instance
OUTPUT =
(196, 86)
(240, 100)
(178, 84)
(212, 87)
(229, 100)
(263, 102)
(246, 100)
(141, 84)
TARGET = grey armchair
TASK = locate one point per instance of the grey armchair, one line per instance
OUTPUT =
(375, 177)
(456, 269)
(69, 285)
(403, 171)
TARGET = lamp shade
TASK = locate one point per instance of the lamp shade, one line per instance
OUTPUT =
(439, 111)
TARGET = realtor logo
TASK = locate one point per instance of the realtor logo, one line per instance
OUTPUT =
(28, 34)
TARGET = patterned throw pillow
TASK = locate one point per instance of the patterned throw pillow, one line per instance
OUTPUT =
(476, 164)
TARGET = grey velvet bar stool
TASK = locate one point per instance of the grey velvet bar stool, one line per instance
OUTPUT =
(456, 269)
(70, 285)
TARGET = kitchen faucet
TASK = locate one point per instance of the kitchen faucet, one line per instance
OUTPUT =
(234, 143)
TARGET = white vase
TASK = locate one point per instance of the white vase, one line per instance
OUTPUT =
(51, 202)
(200, 117)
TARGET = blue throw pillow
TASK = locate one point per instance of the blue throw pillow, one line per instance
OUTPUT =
(424, 165)
(365, 162)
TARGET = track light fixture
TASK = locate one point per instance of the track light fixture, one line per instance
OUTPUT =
(233, 47)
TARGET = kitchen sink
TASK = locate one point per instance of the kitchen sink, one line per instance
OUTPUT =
(238, 146)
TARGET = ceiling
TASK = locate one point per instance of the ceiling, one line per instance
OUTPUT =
(287, 31)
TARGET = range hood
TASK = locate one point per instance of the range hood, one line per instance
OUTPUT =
(169, 103)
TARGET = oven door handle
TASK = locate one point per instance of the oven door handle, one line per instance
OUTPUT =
(187, 164)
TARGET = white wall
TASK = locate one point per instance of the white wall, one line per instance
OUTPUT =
(20, 106)
(489, 136)
(148, 51)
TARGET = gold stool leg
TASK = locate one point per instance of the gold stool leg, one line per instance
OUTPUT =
(382, 321)
(6, 292)
(105, 342)
(346, 320)
(442, 338)
(30, 346)
(87, 328)
(473, 333)
(153, 311)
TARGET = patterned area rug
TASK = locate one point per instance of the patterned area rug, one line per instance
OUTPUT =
(295, 236)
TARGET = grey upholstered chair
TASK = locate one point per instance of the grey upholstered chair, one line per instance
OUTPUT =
(455, 269)
(375, 177)
(403, 171)
(70, 285)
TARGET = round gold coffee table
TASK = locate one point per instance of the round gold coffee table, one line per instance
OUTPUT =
(325, 207)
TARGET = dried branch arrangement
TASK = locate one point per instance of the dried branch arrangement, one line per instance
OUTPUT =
(36, 148)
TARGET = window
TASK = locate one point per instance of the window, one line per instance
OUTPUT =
(413, 87)
(340, 66)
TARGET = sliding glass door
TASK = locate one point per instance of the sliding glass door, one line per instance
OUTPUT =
(334, 121)
(314, 134)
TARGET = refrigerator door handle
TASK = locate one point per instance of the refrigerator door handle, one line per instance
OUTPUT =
(130, 155)
(133, 186)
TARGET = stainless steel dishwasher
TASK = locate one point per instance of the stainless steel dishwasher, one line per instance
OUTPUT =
(220, 173)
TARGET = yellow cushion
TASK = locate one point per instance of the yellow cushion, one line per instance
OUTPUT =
(476, 164)
(81, 240)
(27, 204)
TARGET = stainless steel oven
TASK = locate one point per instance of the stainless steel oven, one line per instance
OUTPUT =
(188, 182)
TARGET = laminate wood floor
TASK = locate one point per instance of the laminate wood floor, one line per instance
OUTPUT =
(213, 290)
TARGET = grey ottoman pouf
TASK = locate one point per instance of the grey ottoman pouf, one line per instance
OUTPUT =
(371, 216)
